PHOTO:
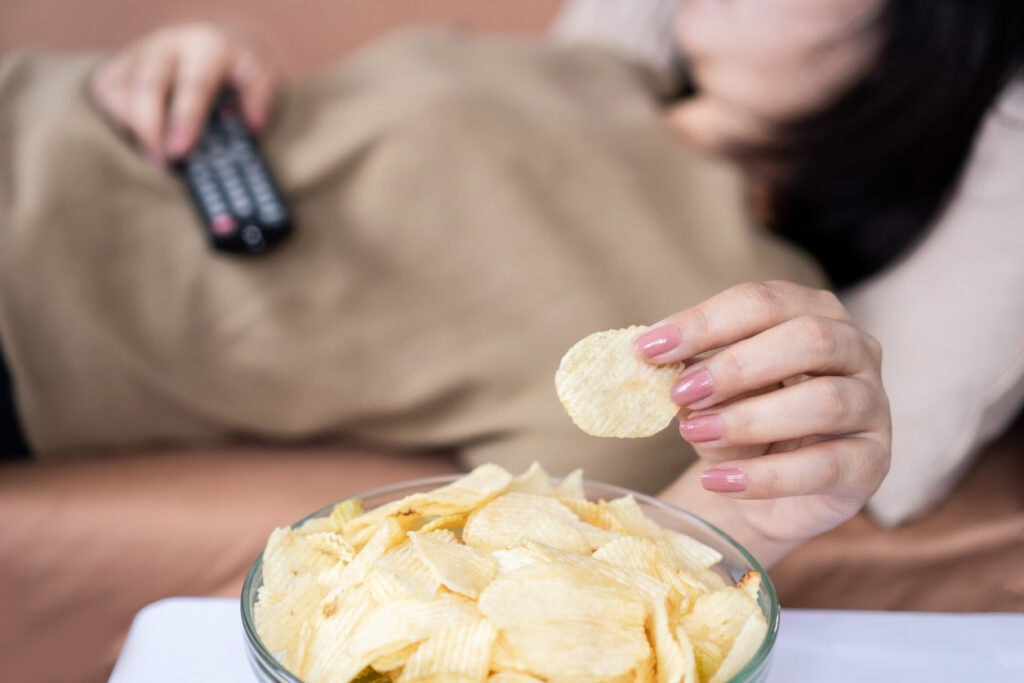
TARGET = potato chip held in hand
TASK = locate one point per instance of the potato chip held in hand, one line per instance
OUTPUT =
(610, 391)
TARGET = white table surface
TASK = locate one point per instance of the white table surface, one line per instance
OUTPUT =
(201, 639)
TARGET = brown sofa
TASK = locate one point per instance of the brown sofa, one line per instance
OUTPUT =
(87, 544)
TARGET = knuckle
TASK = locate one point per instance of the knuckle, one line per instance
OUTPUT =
(862, 468)
(833, 402)
(769, 483)
(148, 82)
(864, 405)
(831, 475)
(874, 349)
(100, 89)
(817, 337)
(201, 32)
(698, 321)
(765, 295)
(196, 84)
(103, 78)
(108, 81)
(830, 301)
(739, 426)
(729, 368)
(883, 461)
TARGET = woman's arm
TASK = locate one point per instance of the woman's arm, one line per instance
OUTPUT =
(788, 413)
(161, 87)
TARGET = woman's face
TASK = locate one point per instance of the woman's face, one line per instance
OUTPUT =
(759, 63)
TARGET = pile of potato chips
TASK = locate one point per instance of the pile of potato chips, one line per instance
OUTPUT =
(503, 579)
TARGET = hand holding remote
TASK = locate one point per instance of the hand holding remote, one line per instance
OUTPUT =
(231, 186)
(162, 87)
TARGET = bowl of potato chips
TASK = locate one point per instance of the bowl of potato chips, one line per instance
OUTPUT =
(506, 579)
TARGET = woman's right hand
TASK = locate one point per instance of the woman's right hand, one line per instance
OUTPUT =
(788, 413)
(161, 87)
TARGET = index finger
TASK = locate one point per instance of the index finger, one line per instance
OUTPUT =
(201, 73)
(733, 315)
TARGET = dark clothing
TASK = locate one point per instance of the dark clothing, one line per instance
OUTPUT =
(12, 441)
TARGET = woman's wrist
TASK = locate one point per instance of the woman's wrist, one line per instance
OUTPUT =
(687, 493)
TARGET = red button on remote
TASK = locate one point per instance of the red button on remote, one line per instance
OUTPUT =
(223, 225)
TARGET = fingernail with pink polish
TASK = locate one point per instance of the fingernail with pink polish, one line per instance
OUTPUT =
(724, 480)
(692, 387)
(177, 143)
(703, 428)
(658, 340)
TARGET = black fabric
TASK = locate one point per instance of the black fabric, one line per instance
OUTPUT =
(12, 441)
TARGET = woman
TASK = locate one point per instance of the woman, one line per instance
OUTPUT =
(780, 88)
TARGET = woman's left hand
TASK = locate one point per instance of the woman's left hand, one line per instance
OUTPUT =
(788, 413)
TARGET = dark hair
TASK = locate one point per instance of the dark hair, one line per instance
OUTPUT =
(870, 173)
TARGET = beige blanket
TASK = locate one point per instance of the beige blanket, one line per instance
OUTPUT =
(465, 211)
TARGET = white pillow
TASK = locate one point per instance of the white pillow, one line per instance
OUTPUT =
(641, 29)
(949, 315)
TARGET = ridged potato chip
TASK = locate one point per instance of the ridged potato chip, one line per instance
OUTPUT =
(593, 513)
(288, 559)
(594, 536)
(370, 675)
(460, 568)
(461, 652)
(404, 567)
(513, 558)
(714, 622)
(647, 672)
(328, 658)
(571, 486)
(744, 646)
(332, 544)
(460, 496)
(499, 523)
(282, 615)
(395, 625)
(668, 653)
(563, 623)
(512, 677)
(316, 525)
(393, 662)
(350, 508)
(609, 391)
(631, 552)
(651, 590)
(553, 532)
(688, 552)
(444, 522)
(383, 589)
(750, 583)
(690, 674)
(534, 480)
(343, 575)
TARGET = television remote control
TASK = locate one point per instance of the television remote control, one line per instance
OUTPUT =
(237, 199)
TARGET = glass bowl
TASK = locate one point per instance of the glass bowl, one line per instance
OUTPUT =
(736, 562)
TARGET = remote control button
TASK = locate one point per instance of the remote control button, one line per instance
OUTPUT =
(237, 195)
(271, 216)
(234, 127)
(224, 225)
(253, 238)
